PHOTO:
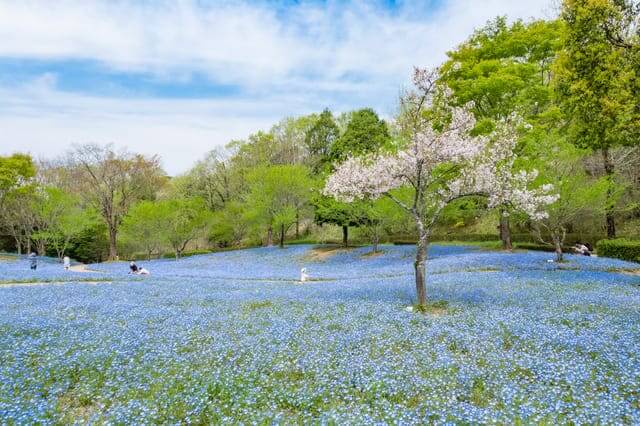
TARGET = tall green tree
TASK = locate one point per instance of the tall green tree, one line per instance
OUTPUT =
(598, 85)
(504, 68)
(381, 216)
(229, 226)
(15, 171)
(112, 182)
(278, 196)
(214, 179)
(580, 196)
(289, 139)
(364, 133)
(144, 228)
(319, 140)
(185, 220)
(17, 216)
(60, 218)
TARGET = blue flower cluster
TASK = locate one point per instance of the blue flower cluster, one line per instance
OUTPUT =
(233, 338)
(16, 269)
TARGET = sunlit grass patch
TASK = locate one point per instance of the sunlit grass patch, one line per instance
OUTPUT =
(434, 308)
(324, 253)
(626, 271)
(371, 254)
(257, 305)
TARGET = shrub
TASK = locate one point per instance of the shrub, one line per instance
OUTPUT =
(187, 253)
(619, 249)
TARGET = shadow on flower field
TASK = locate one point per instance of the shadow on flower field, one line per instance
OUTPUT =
(232, 337)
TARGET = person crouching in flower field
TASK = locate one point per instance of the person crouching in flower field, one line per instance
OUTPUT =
(135, 269)
(582, 249)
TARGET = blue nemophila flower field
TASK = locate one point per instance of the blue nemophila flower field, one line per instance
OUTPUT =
(231, 337)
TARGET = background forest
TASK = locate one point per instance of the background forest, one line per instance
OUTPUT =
(574, 81)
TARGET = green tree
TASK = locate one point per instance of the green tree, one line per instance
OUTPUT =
(598, 85)
(319, 139)
(289, 139)
(278, 195)
(229, 226)
(504, 68)
(112, 182)
(365, 133)
(92, 244)
(144, 227)
(17, 216)
(59, 218)
(15, 171)
(561, 165)
(214, 179)
(328, 210)
(184, 220)
(283, 144)
(381, 216)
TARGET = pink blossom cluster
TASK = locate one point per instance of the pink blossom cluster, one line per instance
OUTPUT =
(443, 165)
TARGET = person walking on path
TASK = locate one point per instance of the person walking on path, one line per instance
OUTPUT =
(66, 262)
(33, 261)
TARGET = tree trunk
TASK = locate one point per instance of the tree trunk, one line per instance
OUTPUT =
(297, 224)
(609, 169)
(420, 265)
(18, 246)
(178, 254)
(113, 243)
(282, 236)
(40, 247)
(376, 240)
(345, 236)
(558, 248)
(269, 236)
(505, 232)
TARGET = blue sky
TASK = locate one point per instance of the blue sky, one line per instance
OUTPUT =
(181, 77)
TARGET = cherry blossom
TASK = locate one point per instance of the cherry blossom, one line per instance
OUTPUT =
(441, 165)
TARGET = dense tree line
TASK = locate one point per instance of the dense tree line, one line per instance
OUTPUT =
(570, 87)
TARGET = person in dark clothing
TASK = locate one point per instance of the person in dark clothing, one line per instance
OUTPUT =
(582, 249)
(133, 268)
(33, 261)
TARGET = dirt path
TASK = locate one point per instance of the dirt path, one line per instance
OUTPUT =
(82, 268)
(320, 254)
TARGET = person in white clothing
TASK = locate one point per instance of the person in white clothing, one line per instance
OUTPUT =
(66, 262)
(582, 249)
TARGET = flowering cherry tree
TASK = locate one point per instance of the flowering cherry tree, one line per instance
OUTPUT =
(440, 166)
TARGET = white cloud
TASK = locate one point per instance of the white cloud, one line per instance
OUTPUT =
(46, 122)
(285, 63)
